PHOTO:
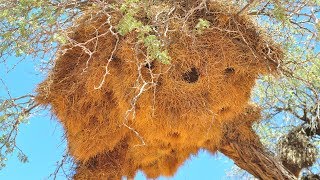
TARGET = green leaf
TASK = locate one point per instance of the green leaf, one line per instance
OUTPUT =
(22, 157)
(127, 24)
(202, 25)
(3, 118)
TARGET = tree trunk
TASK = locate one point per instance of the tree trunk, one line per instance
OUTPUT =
(243, 146)
(256, 161)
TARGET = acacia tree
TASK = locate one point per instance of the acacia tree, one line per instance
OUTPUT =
(290, 100)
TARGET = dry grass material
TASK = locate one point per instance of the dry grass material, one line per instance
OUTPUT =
(296, 151)
(122, 112)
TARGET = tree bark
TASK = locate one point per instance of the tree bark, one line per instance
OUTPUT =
(256, 162)
(243, 146)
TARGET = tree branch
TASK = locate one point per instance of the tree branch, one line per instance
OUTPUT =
(245, 7)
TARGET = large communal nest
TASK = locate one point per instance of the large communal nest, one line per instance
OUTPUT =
(124, 110)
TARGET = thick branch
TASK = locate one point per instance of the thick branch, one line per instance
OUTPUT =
(310, 131)
(243, 146)
(256, 161)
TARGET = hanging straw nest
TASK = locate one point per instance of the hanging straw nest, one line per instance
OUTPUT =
(296, 151)
(310, 177)
(124, 111)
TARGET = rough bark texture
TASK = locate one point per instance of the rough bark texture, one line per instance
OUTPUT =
(250, 155)
(256, 162)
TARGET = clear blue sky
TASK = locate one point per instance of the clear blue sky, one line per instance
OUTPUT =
(41, 140)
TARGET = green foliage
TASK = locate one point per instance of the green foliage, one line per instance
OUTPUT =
(33, 27)
(153, 45)
(291, 99)
(129, 23)
(130, 6)
(202, 25)
(318, 30)
(20, 24)
(279, 13)
(59, 38)
(11, 116)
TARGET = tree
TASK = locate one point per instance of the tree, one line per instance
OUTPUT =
(294, 95)
(290, 100)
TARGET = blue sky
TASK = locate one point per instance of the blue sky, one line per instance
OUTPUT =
(41, 139)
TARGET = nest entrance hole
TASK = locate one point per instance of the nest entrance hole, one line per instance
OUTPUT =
(174, 135)
(150, 65)
(229, 71)
(191, 76)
